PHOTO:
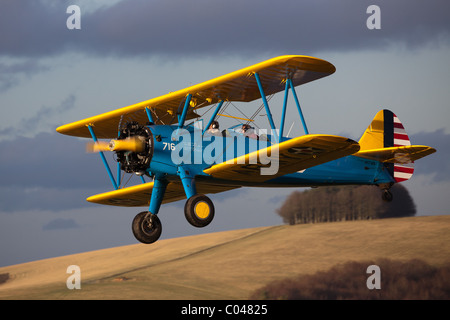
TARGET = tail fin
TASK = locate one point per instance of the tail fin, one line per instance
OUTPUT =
(387, 131)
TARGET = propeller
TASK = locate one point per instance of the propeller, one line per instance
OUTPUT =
(133, 144)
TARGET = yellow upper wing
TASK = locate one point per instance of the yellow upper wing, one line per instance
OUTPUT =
(287, 157)
(236, 86)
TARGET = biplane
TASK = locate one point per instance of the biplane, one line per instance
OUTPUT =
(165, 140)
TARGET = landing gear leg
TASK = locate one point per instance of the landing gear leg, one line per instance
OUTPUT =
(386, 195)
(199, 209)
(146, 225)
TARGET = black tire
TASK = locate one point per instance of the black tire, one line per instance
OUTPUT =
(199, 210)
(146, 227)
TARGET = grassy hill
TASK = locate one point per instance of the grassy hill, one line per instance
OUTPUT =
(228, 265)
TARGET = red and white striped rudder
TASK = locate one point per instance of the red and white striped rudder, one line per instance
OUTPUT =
(402, 171)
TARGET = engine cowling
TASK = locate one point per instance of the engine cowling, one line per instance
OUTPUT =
(139, 160)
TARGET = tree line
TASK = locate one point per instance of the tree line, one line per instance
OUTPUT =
(401, 280)
(341, 203)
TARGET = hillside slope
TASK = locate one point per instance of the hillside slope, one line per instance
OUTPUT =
(228, 265)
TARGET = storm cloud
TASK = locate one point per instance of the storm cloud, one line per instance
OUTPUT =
(203, 27)
(436, 164)
(10, 73)
(61, 223)
(41, 119)
(48, 172)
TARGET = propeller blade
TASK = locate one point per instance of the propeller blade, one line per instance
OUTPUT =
(133, 144)
(99, 146)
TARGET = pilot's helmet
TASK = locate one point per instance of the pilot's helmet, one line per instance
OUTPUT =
(214, 125)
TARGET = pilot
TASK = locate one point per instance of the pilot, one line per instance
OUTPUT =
(214, 129)
(248, 131)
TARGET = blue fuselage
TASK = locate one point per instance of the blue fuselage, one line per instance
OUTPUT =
(190, 148)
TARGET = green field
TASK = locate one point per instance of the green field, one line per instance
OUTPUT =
(231, 264)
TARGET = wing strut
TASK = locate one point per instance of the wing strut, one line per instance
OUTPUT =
(213, 116)
(290, 85)
(283, 114)
(149, 115)
(105, 163)
(298, 106)
(266, 105)
(185, 109)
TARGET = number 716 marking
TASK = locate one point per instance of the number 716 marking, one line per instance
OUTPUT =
(168, 146)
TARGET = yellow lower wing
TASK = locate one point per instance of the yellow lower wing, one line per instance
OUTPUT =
(287, 157)
(404, 154)
(139, 195)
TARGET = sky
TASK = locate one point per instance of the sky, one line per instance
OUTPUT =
(127, 51)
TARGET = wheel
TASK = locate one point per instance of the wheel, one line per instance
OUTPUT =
(146, 227)
(387, 196)
(199, 210)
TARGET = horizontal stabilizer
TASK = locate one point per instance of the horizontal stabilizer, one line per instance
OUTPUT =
(404, 154)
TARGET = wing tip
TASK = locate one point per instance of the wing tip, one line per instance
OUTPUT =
(74, 129)
(61, 129)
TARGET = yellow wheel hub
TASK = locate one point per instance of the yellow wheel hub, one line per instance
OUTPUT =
(202, 210)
